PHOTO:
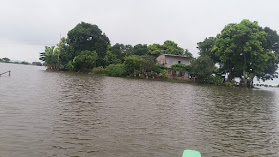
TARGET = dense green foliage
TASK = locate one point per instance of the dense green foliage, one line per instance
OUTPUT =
(140, 50)
(180, 67)
(169, 47)
(205, 48)
(115, 70)
(50, 57)
(86, 36)
(98, 70)
(73, 52)
(217, 80)
(203, 67)
(133, 64)
(240, 50)
(244, 50)
(85, 61)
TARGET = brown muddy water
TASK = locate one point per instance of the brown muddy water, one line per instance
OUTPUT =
(66, 114)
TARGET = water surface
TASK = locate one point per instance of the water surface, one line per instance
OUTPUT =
(66, 114)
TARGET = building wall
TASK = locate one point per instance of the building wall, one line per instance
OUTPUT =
(170, 60)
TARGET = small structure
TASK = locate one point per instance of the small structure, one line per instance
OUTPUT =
(168, 60)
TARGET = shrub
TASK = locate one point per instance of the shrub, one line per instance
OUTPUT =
(133, 64)
(217, 80)
(115, 70)
(229, 84)
(164, 73)
(85, 61)
(69, 66)
(98, 70)
(180, 67)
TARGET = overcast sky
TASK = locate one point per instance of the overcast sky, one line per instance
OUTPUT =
(27, 26)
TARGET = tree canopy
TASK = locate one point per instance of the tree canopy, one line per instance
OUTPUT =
(169, 47)
(86, 36)
(5, 59)
(241, 52)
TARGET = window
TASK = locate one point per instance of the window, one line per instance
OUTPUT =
(183, 62)
(179, 62)
(170, 62)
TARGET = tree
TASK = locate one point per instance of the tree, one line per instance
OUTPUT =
(205, 48)
(239, 47)
(272, 40)
(120, 51)
(140, 50)
(169, 47)
(111, 58)
(86, 36)
(7, 60)
(149, 63)
(66, 54)
(203, 67)
(50, 57)
(85, 61)
(115, 70)
(133, 64)
(155, 49)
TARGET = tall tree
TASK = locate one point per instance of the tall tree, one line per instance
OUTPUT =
(86, 36)
(241, 51)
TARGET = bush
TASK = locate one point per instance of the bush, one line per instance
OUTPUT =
(164, 73)
(69, 66)
(115, 70)
(133, 64)
(85, 61)
(228, 84)
(217, 80)
(98, 70)
(180, 67)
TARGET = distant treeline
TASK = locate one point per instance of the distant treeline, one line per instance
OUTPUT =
(241, 50)
(7, 60)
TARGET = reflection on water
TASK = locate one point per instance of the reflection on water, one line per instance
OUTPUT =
(65, 114)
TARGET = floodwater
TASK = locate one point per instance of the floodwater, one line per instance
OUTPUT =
(60, 114)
